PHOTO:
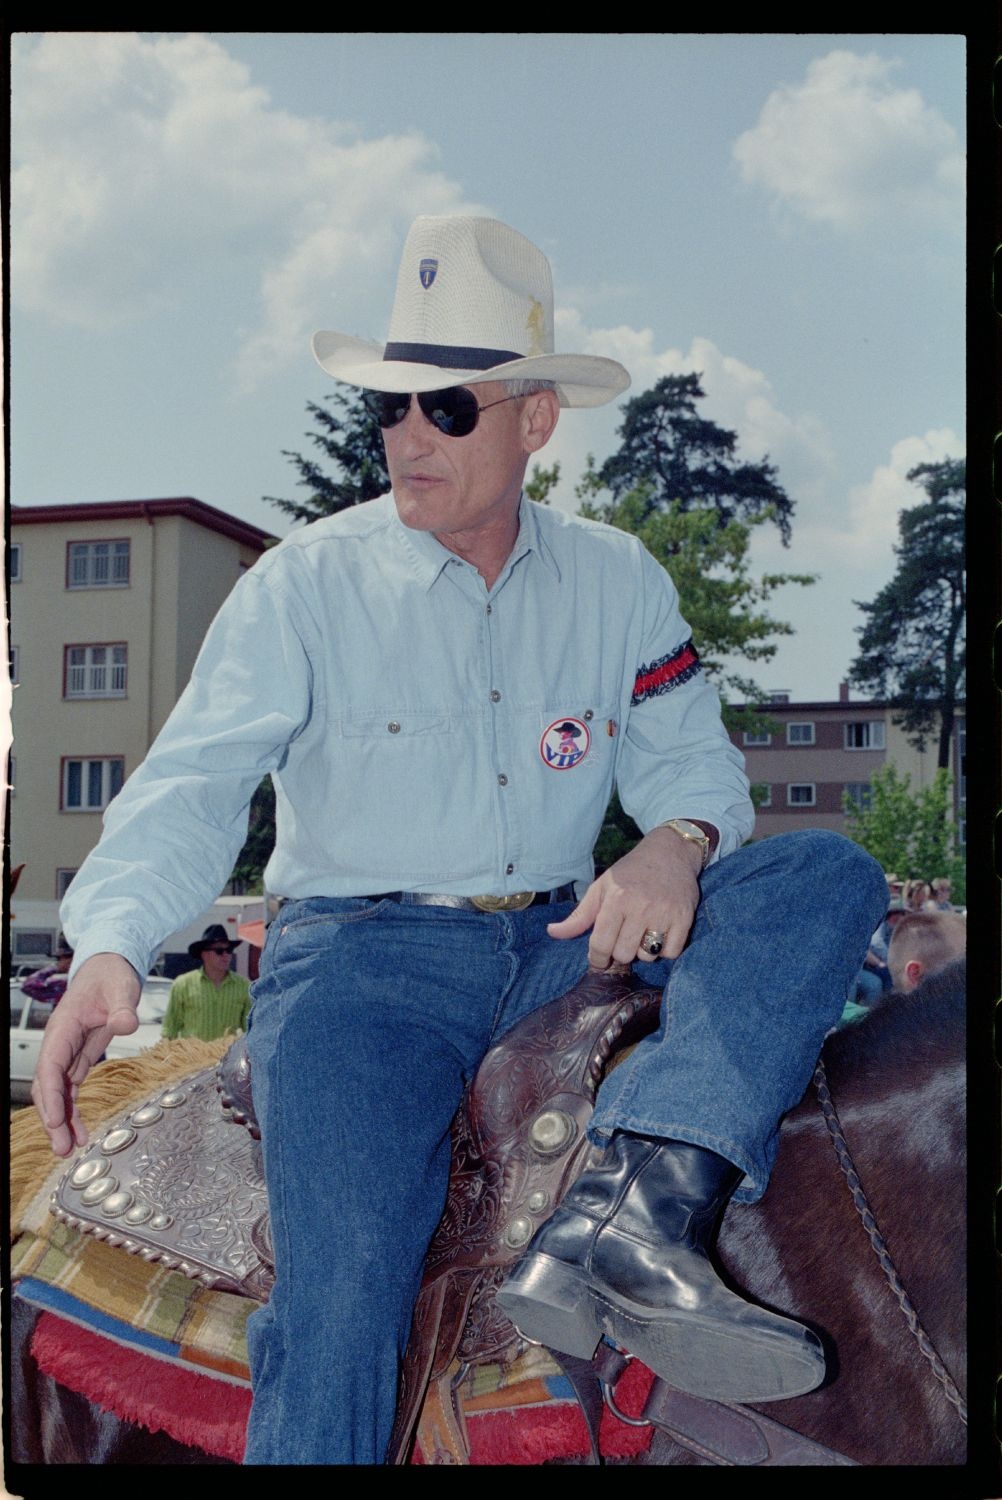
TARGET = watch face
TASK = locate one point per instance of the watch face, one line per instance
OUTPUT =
(692, 829)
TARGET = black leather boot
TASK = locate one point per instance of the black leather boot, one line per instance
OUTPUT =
(626, 1255)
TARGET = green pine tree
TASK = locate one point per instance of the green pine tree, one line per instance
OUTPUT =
(912, 646)
(354, 464)
(682, 458)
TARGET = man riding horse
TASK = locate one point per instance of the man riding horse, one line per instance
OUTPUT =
(446, 684)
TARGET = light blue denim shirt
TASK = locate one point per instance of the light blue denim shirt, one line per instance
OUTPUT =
(423, 732)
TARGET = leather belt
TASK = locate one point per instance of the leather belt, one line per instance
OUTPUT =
(517, 901)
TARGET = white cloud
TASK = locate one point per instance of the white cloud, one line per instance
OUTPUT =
(833, 533)
(846, 147)
(874, 507)
(351, 236)
(137, 163)
(851, 551)
(738, 397)
(860, 536)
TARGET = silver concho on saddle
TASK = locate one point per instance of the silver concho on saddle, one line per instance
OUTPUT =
(173, 1181)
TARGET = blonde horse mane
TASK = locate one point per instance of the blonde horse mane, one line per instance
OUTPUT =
(109, 1088)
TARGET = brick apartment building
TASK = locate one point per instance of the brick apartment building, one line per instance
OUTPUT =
(826, 749)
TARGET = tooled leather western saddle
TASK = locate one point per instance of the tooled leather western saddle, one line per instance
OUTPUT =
(174, 1182)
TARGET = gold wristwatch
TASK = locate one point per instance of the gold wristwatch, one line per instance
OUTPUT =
(690, 832)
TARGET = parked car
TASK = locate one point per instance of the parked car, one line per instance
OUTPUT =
(27, 1025)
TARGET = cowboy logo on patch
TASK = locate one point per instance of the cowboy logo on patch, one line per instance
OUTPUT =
(427, 272)
(564, 744)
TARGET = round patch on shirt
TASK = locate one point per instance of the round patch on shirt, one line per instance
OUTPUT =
(564, 744)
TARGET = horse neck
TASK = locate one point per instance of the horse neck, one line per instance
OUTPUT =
(804, 1248)
(900, 1096)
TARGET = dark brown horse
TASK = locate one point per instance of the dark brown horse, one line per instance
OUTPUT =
(897, 1080)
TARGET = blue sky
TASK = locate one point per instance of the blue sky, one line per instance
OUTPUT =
(783, 213)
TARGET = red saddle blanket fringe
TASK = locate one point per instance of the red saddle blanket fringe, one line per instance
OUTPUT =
(154, 1393)
(208, 1413)
(501, 1433)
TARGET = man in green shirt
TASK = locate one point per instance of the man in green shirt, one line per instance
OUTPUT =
(209, 1001)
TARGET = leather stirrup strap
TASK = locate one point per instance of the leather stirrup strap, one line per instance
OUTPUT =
(518, 1140)
(588, 1389)
(441, 1429)
(732, 1435)
(417, 1370)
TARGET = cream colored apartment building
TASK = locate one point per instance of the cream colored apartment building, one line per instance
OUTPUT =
(108, 607)
(825, 750)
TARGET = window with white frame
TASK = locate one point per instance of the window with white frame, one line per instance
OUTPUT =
(762, 794)
(15, 562)
(800, 794)
(860, 794)
(96, 671)
(97, 565)
(868, 734)
(89, 785)
(800, 734)
(13, 666)
(63, 878)
(757, 737)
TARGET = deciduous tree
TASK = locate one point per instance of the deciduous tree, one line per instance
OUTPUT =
(541, 481)
(722, 602)
(248, 872)
(909, 833)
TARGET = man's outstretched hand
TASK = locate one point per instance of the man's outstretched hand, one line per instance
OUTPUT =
(655, 886)
(100, 1002)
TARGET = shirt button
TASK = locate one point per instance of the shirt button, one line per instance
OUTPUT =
(495, 696)
(502, 780)
(393, 727)
(509, 869)
(488, 610)
(589, 713)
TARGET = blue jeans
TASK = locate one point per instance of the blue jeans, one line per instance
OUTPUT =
(869, 987)
(369, 1020)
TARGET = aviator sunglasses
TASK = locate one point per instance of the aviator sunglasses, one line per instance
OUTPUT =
(454, 411)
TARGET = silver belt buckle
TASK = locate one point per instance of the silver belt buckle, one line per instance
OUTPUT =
(517, 901)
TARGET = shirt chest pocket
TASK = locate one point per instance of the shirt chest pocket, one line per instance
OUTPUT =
(582, 740)
(387, 761)
(396, 777)
(392, 727)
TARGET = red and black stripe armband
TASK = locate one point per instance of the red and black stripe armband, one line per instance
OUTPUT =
(667, 672)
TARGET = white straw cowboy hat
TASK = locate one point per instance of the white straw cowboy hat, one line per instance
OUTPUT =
(474, 303)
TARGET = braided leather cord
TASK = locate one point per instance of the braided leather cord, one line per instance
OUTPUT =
(845, 1161)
